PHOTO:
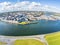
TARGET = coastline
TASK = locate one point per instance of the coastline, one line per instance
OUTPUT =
(43, 17)
(10, 21)
(42, 38)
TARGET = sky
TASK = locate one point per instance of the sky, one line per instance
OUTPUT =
(8, 5)
(49, 2)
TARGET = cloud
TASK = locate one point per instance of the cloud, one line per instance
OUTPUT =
(33, 5)
(26, 5)
(5, 3)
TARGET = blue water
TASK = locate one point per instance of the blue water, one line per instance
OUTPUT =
(42, 27)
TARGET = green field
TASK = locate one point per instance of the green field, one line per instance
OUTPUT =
(28, 42)
(53, 39)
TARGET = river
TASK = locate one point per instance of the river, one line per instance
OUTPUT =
(42, 27)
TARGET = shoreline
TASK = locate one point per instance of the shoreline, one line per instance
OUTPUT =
(43, 17)
(10, 21)
(41, 38)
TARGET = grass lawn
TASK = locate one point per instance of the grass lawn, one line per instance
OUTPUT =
(53, 39)
(28, 42)
(3, 43)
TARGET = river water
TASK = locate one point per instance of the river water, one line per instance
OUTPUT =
(42, 27)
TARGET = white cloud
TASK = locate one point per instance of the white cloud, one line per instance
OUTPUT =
(20, 4)
(26, 5)
(5, 3)
(34, 5)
